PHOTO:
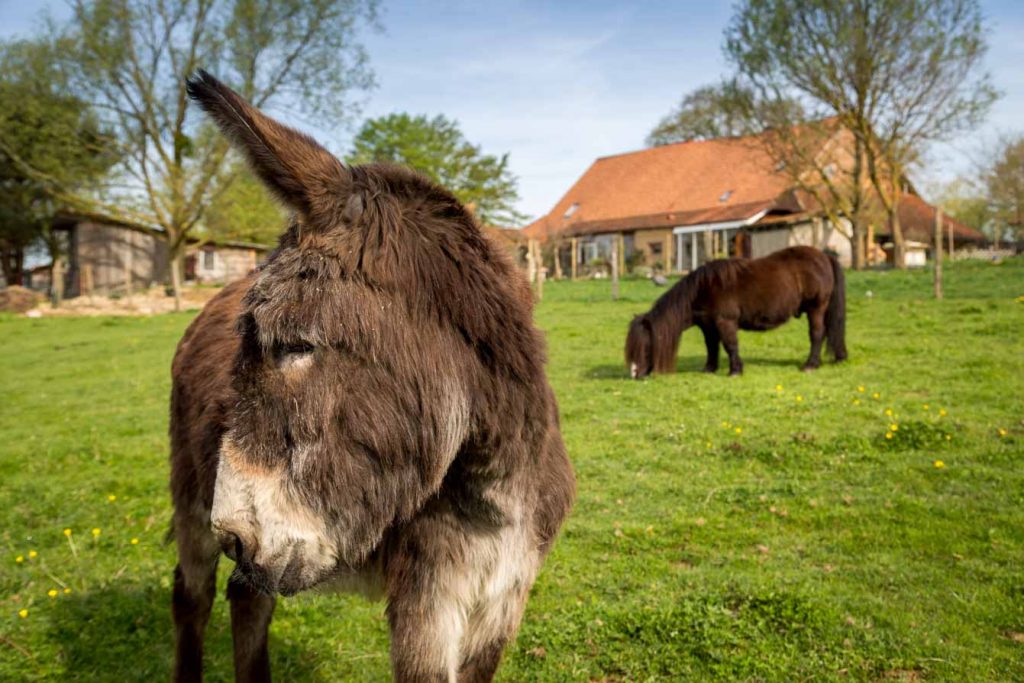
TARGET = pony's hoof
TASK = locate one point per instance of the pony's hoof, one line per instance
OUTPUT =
(808, 368)
(710, 371)
(735, 373)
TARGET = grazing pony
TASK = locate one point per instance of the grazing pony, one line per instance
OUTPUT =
(725, 296)
(368, 410)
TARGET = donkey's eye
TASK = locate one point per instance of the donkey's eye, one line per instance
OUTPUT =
(292, 353)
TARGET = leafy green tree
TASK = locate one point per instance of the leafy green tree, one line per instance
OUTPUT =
(48, 137)
(437, 148)
(129, 59)
(898, 74)
(1005, 188)
(966, 202)
(243, 211)
(711, 111)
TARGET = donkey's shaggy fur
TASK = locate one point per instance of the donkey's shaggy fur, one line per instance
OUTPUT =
(725, 296)
(370, 407)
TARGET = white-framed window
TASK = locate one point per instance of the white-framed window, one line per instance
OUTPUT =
(209, 259)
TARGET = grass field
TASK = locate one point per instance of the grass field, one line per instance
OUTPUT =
(759, 528)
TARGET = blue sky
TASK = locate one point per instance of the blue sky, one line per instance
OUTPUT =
(557, 85)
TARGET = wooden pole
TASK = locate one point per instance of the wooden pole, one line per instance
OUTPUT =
(575, 257)
(615, 268)
(666, 252)
(622, 252)
(86, 280)
(531, 261)
(950, 240)
(938, 254)
(869, 251)
(558, 259)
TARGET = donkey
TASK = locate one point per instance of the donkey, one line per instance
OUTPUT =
(725, 296)
(369, 409)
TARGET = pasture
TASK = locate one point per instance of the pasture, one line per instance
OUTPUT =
(863, 522)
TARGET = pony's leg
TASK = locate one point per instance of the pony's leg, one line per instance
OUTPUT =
(711, 342)
(816, 327)
(195, 584)
(728, 330)
(250, 623)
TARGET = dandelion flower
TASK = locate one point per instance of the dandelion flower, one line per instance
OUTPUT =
(67, 532)
(52, 592)
(32, 554)
(708, 444)
(96, 531)
(23, 613)
(778, 387)
(135, 541)
(67, 591)
(799, 398)
(888, 411)
(111, 497)
(949, 437)
(739, 430)
(19, 559)
(860, 389)
(725, 425)
(876, 395)
(925, 406)
(1002, 432)
(888, 435)
(942, 412)
(939, 464)
(894, 428)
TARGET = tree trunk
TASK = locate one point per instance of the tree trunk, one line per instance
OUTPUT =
(858, 245)
(899, 245)
(56, 282)
(937, 283)
(176, 264)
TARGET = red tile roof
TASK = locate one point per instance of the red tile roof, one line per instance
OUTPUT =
(917, 218)
(687, 183)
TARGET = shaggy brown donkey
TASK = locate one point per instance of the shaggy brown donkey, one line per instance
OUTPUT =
(723, 297)
(368, 410)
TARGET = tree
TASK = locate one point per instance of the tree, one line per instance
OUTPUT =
(1005, 188)
(898, 74)
(44, 129)
(129, 60)
(711, 111)
(437, 148)
(243, 211)
(966, 202)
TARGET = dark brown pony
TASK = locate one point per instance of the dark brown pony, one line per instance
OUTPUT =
(370, 411)
(723, 297)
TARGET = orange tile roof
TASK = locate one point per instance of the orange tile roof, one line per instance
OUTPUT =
(917, 218)
(686, 183)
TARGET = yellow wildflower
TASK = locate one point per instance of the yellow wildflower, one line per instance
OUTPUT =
(111, 497)
(939, 464)
(1002, 432)
(708, 444)
(67, 591)
(23, 613)
(799, 398)
(949, 437)
(725, 425)
(860, 389)
(135, 541)
(32, 554)
(888, 411)
(19, 559)
(778, 387)
(67, 532)
(856, 401)
(52, 592)
(888, 435)
(96, 531)
(876, 395)
(942, 412)
(894, 427)
(739, 430)
(925, 406)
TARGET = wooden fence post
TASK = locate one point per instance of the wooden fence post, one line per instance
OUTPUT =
(575, 257)
(937, 283)
(615, 267)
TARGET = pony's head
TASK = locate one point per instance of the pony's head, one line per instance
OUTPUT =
(640, 347)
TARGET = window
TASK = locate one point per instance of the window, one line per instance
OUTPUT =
(208, 259)
(725, 196)
(571, 210)
(655, 248)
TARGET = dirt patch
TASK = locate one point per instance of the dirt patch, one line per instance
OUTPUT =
(150, 302)
(17, 299)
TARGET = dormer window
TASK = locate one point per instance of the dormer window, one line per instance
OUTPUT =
(725, 196)
(571, 210)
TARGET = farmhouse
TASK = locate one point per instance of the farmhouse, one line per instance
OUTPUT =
(676, 206)
(113, 258)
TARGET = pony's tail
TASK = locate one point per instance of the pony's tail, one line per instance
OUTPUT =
(835, 314)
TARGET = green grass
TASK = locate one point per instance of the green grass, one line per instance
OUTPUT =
(758, 528)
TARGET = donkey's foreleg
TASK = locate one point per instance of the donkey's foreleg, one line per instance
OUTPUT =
(195, 580)
(816, 328)
(250, 623)
(492, 626)
(711, 343)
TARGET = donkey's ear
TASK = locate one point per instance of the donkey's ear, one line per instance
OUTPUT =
(304, 175)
